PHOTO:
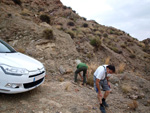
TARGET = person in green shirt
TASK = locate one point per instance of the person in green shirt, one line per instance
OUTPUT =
(81, 67)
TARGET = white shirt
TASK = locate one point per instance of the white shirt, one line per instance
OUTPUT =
(100, 72)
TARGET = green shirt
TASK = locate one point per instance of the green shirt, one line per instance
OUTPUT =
(81, 65)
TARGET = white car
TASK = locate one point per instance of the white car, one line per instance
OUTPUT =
(18, 72)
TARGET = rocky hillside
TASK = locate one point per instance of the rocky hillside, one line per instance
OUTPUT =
(56, 35)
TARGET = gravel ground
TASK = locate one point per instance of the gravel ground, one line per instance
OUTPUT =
(55, 96)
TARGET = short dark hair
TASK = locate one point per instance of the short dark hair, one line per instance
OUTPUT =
(111, 67)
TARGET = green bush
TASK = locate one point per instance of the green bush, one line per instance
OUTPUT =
(45, 18)
(96, 42)
(48, 34)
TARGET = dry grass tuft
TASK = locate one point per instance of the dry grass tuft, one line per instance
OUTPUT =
(91, 70)
(133, 105)
(121, 68)
(25, 12)
(60, 79)
(126, 88)
(67, 87)
(107, 60)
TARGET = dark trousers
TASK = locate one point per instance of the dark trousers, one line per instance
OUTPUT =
(84, 69)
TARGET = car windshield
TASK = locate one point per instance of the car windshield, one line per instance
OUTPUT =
(5, 48)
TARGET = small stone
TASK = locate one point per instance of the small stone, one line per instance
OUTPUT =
(134, 97)
(62, 70)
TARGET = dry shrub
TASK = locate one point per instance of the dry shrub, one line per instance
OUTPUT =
(133, 105)
(72, 34)
(132, 56)
(121, 67)
(107, 60)
(70, 24)
(101, 30)
(141, 44)
(146, 49)
(85, 25)
(17, 2)
(126, 88)
(45, 18)
(84, 18)
(91, 69)
(105, 35)
(64, 7)
(123, 45)
(97, 33)
(67, 87)
(112, 37)
(60, 79)
(25, 12)
(89, 55)
(48, 34)
(116, 50)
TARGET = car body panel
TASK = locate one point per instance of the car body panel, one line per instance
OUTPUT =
(13, 83)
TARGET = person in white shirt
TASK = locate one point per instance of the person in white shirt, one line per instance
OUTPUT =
(101, 80)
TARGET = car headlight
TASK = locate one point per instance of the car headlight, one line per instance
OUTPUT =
(12, 85)
(13, 70)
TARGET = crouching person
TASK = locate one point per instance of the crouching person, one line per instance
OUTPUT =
(81, 67)
(101, 81)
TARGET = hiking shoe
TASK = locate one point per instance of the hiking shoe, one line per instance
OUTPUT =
(104, 103)
(102, 108)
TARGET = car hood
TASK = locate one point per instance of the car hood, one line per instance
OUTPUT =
(20, 60)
